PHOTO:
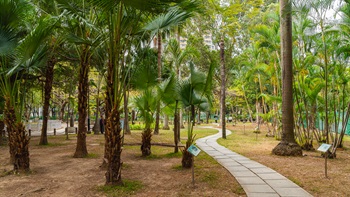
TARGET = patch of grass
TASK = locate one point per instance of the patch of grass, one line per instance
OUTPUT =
(4, 173)
(92, 156)
(295, 181)
(128, 188)
(204, 157)
(177, 167)
(173, 155)
(152, 157)
(209, 177)
(126, 166)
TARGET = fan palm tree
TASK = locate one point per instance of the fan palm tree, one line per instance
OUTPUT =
(172, 18)
(195, 91)
(144, 78)
(85, 37)
(114, 16)
(20, 53)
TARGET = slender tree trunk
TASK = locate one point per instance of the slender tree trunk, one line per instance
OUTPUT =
(48, 88)
(199, 117)
(81, 150)
(156, 128)
(96, 127)
(288, 145)
(126, 111)
(248, 106)
(223, 89)
(132, 116)
(62, 110)
(166, 122)
(2, 132)
(176, 127)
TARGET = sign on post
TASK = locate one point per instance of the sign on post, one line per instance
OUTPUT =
(324, 148)
(193, 150)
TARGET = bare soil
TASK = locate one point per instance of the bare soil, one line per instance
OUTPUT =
(54, 172)
(307, 171)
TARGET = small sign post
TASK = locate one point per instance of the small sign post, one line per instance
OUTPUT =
(324, 148)
(194, 150)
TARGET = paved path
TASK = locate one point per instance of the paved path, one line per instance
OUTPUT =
(256, 179)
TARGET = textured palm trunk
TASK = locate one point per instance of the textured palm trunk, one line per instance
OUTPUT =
(47, 96)
(2, 131)
(288, 145)
(81, 150)
(146, 142)
(223, 89)
(113, 148)
(156, 127)
(187, 157)
(17, 138)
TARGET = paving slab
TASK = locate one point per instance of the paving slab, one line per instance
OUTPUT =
(256, 179)
(291, 192)
(273, 194)
(258, 189)
(250, 181)
(281, 184)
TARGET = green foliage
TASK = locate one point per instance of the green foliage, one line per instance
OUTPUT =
(129, 187)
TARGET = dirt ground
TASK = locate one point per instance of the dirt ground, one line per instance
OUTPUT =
(56, 173)
(307, 171)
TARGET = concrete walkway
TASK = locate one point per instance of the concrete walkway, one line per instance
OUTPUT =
(256, 179)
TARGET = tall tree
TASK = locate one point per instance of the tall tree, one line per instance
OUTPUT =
(223, 88)
(288, 145)
(84, 36)
(20, 53)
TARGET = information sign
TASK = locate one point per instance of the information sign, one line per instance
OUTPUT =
(193, 150)
(324, 147)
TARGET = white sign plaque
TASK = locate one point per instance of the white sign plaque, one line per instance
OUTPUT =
(324, 147)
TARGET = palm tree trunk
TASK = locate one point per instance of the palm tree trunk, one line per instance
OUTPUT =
(166, 122)
(176, 127)
(17, 138)
(288, 145)
(156, 128)
(81, 150)
(48, 88)
(113, 148)
(113, 138)
(126, 111)
(223, 89)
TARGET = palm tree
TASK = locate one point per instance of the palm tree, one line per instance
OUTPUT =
(144, 78)
(20, 53)
(174, 17)
(288, 145)
(85, 37)
(223, 88)
(195, 91)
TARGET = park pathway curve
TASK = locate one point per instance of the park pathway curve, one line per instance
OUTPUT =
(256, 179)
